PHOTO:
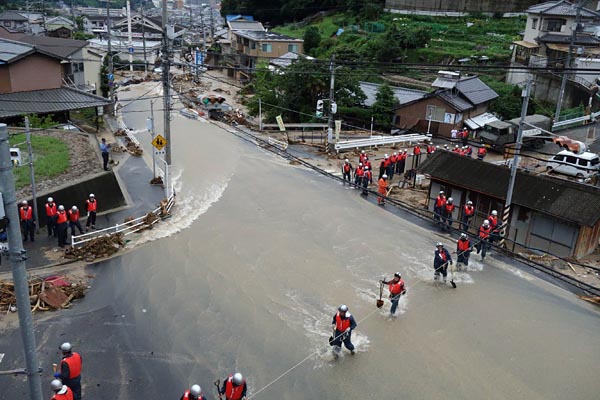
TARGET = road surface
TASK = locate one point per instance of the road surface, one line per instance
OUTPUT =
(247, 276)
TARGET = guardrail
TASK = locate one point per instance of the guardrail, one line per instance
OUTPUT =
(379, 141)
(277, 143)
(127, 131)
(127, 228)
(563, 124)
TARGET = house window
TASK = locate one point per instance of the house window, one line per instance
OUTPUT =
(534, 23)
(252, 45)
(435, 114)
(6, 23)
(554, 25)
(267, 48)
(293, 48)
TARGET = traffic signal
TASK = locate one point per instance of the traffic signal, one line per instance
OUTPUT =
(319, 108)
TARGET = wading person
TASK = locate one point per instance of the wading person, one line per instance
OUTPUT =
(463, 250)
(234, 387)
(484, 238)
(441, 259)
(193, 393)
(396, 288)
(343, 324)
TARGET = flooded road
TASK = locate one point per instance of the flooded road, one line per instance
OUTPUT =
(248, 273)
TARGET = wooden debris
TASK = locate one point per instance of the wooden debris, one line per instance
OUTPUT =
(591, 299)
(43, 294)
(98, 247)
(571, 266)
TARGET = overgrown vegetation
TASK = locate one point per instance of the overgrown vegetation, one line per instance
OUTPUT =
(51, 158)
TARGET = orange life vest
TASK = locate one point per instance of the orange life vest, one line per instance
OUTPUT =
(233, 392)
(61, 217)
(463, 245)
(91, 205)
(73, 215)
(417, 150)
(469, 211)
(449, 208)
(346, 168)
(393, 159)
(74, 363)
(360, 172)
(51, 209)
(440, 201)
(396, 287)
(484, 232)
(341, 324)
(26, 213)
(187, 393)
(493, 221)
(68, 395)
(481, 151)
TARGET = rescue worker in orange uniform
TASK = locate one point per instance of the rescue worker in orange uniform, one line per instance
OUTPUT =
(347, 171)
(481, 153)
(367, 163)
(467, 214)
(367, 178)
(401, 163)
(396, 288)
(51, 210)
(61, 392)
(61, 226)
(342, 325)
(392, 167)
(27, 221)
(193, 393)
(382, 190)
(441, 259)
(463, 250)
(73, 215)
(383, 166)
(70, 369)
(448, 214)
(91, 206)
(484, 238)
(362, 157)
(416, 155)
(439, 206)
(234, 387)
(495, 233)
(358, 175)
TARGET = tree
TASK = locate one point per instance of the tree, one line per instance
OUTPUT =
(312, 39)
(383, 108)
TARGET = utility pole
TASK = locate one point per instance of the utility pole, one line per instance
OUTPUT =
(515, 161)
(31, 173)
(563, 83)
(111, 82)
(166, 84)
(150, 126)
(129, 35)
(17, 263)
(144, 39)
(331, 99)
(212, 22)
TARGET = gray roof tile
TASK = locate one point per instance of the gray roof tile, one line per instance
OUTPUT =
(561, 8)
(403, 95)
(47, 101)
(60, 48)
(12, 16)
(455, 100)
(11, 50)
(475, 90)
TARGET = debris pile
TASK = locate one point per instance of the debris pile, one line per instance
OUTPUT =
(150, 219)
(98, 247)
(157, 181)
(132, 148)
(51, 293)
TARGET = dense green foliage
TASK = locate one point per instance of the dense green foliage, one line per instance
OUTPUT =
(312, 39)
(383, 108)
(509, 103)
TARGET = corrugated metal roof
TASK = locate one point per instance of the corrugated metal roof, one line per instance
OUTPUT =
(455, 100)
(245, 26)
(267, 36)
(61, 48)
(47, 101)
(403, 95)
(560, 198)
(475, 90)
(561, 8)
(566, 39)
(12, 16)
(11, 50)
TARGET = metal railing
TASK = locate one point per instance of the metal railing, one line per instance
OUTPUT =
(380, 141)
(578, 120)
(126, 228)
(277, 143)
(127, 131)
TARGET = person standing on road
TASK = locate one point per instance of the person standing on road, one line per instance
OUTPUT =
(193, 393)
(359, 173)
(467, 215)
(91, 206)
(391, 169)
(61, 226)
(441, 260)
(481, 153)
(347, 171)
(27, 221)
(61, 392)
(234, 387)
(51, 210)
(367, 163)
(73, 215)
(367, 178)
(382, 190)
(383, 166)
(342, 325)
(362, 157)
(70, 369)
(463, 250)
(396, 288)
(484, 238)
(104, 148)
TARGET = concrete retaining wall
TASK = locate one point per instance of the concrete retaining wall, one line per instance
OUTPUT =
(105, 187)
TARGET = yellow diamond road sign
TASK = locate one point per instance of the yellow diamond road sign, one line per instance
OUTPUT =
(159, 142)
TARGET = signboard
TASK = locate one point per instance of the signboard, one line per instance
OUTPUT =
(338, 129)
(111, 77)
(131, 50)
(159, 142)
(280, 123)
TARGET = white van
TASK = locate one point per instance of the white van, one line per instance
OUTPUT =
(580, 166)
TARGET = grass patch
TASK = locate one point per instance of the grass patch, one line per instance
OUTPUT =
(50, 158)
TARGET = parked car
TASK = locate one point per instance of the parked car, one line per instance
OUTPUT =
(580, 166)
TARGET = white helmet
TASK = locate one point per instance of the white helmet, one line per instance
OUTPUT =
(441, 192)
(450, 199)
(238, 379)
(50, 199)
(92, 195)
(66, 346)
(56, 385)
(469, 203)
(24, 202)
(346, 160)
(463, 235)
(360, 164)
(385, 156)
(438, 244)
(395, 153)
(398, 275)
(384, 176)
(61, 208)
(363, 152)
(494, 212)
(343, 308)
(486, 222)
(195, 390)
(74, 208)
